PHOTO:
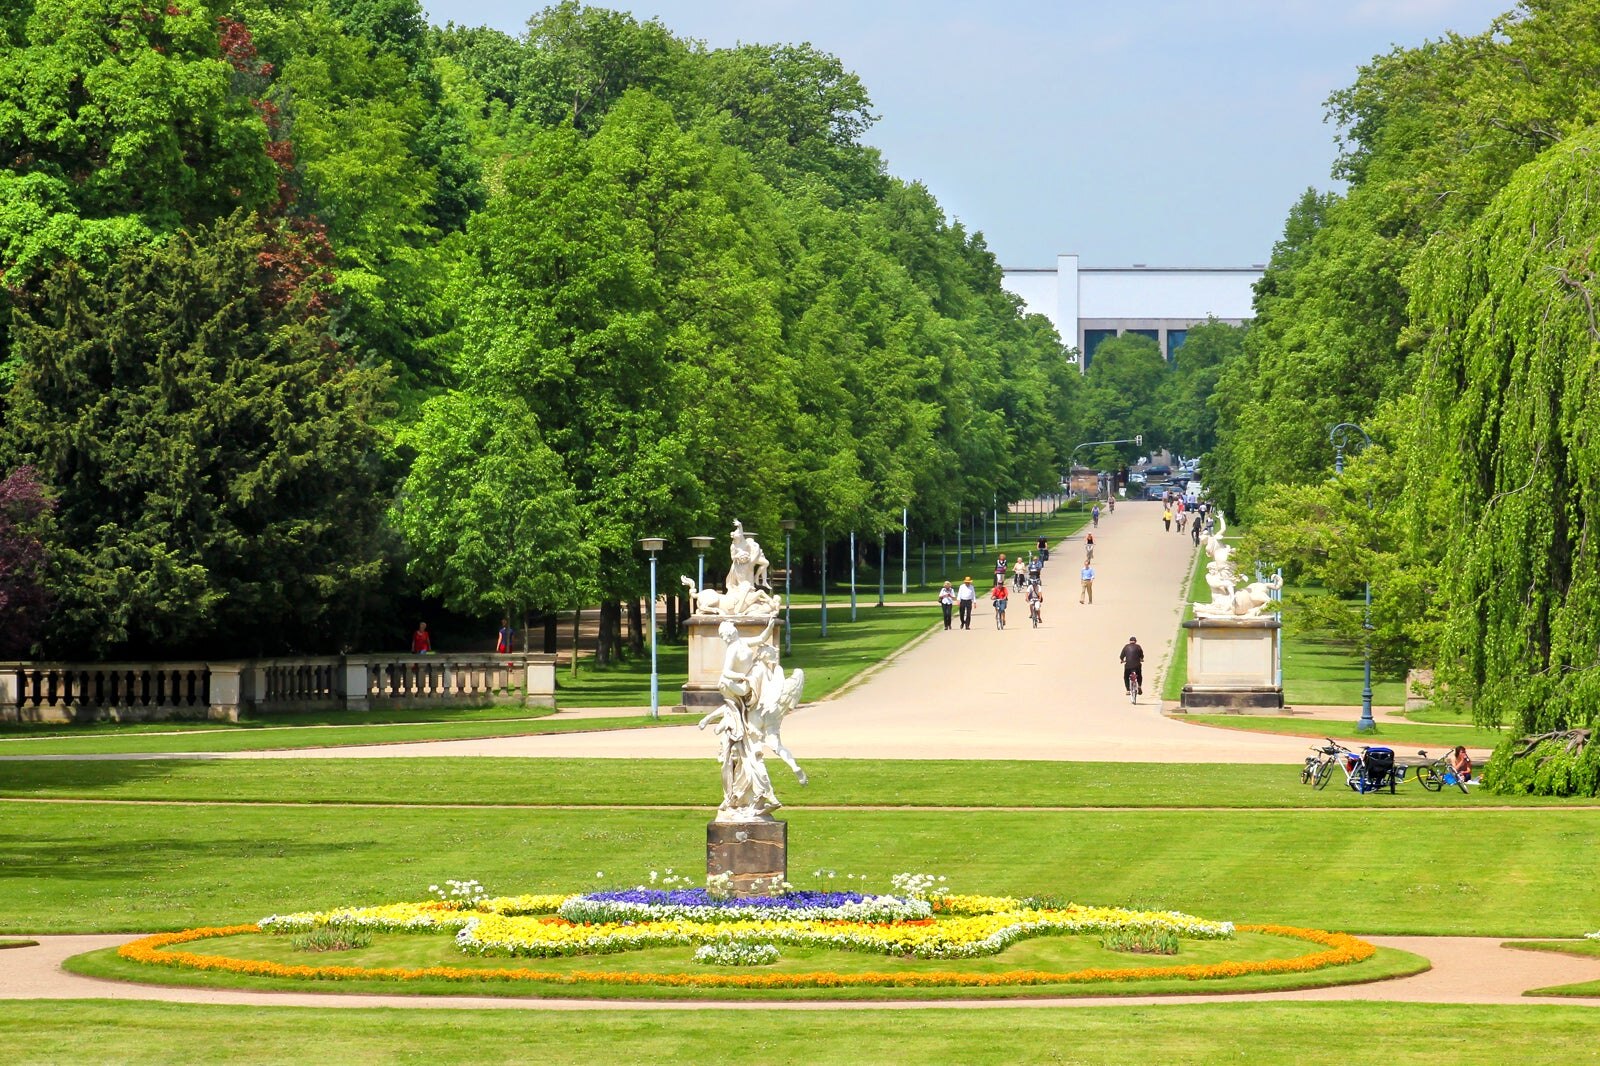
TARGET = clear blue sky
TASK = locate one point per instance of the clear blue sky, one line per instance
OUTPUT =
(1165, 132)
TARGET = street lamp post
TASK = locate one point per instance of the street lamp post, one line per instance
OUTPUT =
(1339, 437)
(883, 561)
(700, 546)
(852, 575)
(1137, 438)
(788, 616)
(905, 528)
(824, 580)
(653, 545)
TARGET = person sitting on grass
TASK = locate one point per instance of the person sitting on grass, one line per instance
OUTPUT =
(1461, 765)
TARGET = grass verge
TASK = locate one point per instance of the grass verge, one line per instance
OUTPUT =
(1406, 735)
(1182, 1034)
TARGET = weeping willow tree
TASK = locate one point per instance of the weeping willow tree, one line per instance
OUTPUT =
(1508, 432)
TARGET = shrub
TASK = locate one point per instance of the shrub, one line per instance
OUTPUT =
(1140, 941)
(332, 938)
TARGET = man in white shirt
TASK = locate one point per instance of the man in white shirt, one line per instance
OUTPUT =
(965, 596)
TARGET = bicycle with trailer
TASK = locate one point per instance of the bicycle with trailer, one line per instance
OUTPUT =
(1369, 770)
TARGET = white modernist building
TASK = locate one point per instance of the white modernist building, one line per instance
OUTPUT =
(1089, 304)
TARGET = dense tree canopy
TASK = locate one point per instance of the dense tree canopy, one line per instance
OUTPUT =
(623, 285)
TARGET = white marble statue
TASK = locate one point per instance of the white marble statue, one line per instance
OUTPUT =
(747, 592)
(1228, 599)
(756, 696)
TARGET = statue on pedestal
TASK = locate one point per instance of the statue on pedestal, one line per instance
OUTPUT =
(1228, 599)
(756, 696)
(747, 592)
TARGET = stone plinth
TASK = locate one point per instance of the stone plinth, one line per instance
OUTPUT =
(706, 651)
(1233, 664)
(753, 852)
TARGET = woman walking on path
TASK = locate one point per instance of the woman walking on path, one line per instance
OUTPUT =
(964, 596)
(947, 602)
(1019, 573)
(1166, 516)
(1088, 544)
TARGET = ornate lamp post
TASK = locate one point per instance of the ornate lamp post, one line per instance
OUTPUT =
(653, 545)
(1339, 436)
(788, 623)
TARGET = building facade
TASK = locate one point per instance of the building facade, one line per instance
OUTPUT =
(1087, 305)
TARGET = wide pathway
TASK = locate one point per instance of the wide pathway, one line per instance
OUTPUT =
(1051, 693)
(1465, 970)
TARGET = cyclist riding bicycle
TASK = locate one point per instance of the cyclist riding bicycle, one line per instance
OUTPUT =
(1036, 601)
(999, 595)
(1132, 662)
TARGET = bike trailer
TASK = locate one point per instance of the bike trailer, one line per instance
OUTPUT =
(1379, 766)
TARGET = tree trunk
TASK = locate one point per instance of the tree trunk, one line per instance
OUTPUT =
(577, 629)
(672, 618)
(602, 637)
(550, 634)
(636, 624)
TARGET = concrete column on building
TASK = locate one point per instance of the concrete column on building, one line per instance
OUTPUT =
(1067, 304)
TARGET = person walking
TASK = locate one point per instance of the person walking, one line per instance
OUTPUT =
(1194, 529)
(947, 602)
(1088, 545)
(1086, 583)
(421, 642)
(965, 596)
(1019, 573)
(502, 643)
(1166, 516)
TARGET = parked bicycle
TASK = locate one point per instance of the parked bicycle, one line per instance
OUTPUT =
(1438, 773)
(1318, 770)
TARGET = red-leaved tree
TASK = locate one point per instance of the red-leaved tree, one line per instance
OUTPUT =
(24, 597)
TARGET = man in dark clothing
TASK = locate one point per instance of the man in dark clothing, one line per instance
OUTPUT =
(1132, 662)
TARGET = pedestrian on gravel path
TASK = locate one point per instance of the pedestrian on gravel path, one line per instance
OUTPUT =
(965, 596)
(1086, 586)
(947, 602)
(1166, 516)
(1088, 546)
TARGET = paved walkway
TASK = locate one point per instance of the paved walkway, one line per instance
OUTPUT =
(1051, 693)
(1465, 970)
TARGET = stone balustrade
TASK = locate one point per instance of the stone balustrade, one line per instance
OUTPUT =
(84, 692)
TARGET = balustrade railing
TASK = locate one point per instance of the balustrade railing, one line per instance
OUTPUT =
(65, 692)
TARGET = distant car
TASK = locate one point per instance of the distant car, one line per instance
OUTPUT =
(1136, 479)
(1156, 492)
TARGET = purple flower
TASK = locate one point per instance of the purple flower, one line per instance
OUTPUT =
(698, 897)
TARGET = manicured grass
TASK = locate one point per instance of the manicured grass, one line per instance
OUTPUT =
(1588, 949)
(35, 730)
(71, 867)
(221, 740)
(1050, 954)
(1178, 671)
(1180, 1034)
(1322, 672)
(829, 662)
(1404, 737)
(17, 943)
(694, 782)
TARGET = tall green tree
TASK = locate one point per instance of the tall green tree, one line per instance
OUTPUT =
(213, 453)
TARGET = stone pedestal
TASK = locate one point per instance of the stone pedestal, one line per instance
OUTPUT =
(705, 655)
(754, 852)
(1233, 665)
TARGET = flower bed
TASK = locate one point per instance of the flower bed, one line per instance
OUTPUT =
(1339, 949)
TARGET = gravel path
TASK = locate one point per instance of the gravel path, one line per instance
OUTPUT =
(1465, 970)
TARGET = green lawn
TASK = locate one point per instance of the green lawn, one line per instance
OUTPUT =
(249, 739)
(1322, 672)
(1404, 737)
(1178, 671)
(829, 662)
(1176, 1034)
(1381, 867)
(694, 782)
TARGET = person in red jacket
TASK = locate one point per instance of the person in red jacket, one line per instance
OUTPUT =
(421, 643)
